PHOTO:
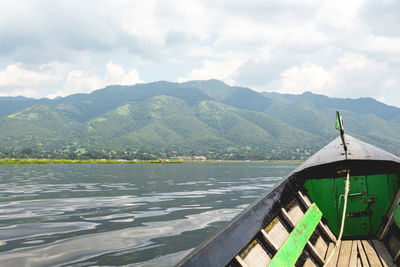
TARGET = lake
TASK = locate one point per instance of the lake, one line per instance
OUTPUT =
(122, 214)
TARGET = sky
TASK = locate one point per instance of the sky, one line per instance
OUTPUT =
(346, 49)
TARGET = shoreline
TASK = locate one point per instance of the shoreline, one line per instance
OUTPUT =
(27, 161)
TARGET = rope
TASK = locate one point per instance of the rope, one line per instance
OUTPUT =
(339, 240)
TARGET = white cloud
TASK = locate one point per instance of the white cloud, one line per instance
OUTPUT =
(200, 51)
(380, 44)
(77, 81)
(15, 75)
(389, 83)
(354, 75)
(116, 74)
(193, 18)
(25, 92)
(339, 14)
(307, 77)
(336, 47)
(222, 68)
(358, 75)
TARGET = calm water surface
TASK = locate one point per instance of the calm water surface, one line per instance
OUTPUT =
(121, 214)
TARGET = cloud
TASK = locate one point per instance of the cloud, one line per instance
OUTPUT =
(381, 17)
(64, 30)
(15, 75)
(25, 92)
(307, 77)
(353, 75)
(223, 67)
(78, 81)
(116, 74)
(336, 47)
(384, 45)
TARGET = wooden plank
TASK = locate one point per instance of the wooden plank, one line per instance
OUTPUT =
(373, 258)
(396, 200)
(387, 226)
(397, 256)
(240, 261)
(309, 263)
(292, 223)
(315, 253)
(324, 228)
(385, 229)
(295, 214)
(353, 255)
(393, 245)
(257, 257)
(278, 233)
(363, 256)
(359, 262)
(329, 251)
(345, 252)
(321, 246)
(304, 199)
(269, 240)
(287, 218)
(334, 259)
(383, 253)
(291, 250)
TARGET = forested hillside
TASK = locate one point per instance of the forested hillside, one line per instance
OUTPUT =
(210, 118)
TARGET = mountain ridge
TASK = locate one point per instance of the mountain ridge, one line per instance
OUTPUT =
(164, 119)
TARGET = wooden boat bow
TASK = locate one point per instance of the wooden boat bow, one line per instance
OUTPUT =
(251, 238)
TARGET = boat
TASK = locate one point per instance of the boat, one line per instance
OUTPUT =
(338, 208)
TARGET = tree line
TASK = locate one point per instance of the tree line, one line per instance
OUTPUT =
(276, 153)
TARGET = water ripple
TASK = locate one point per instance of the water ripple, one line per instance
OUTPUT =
(133, 215)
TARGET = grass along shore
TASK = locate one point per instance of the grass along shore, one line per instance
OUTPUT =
(9, 161)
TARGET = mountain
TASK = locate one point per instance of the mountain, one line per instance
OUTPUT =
(211, 118)
(365, 118)
(9, 105)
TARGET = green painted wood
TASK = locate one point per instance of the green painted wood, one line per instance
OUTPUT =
(322, 192)
(396, 215)
(393, 181)
(357, 202)
(379, 193)
(379, 186)
(291, 250)
(391, 186)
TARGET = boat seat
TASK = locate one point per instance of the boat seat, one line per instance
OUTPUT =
(301, 238)
(296, 236)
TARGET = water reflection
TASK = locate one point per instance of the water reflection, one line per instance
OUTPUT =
(138, 214)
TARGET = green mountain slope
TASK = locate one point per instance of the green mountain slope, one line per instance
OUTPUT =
(209, 118)
(9, 105)
(316, 117)
(84, 107)
(41, 127)
(158, 123)
(243, 98)
(360, 106)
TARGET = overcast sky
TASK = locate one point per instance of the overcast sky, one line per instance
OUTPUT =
(337, 48)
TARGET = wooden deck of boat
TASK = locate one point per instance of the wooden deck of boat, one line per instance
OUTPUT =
(358, 253)
(280, 238)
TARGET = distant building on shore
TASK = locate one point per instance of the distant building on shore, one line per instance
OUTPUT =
(199, 158)
(188, 158)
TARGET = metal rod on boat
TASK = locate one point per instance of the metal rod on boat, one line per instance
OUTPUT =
(339, 126)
